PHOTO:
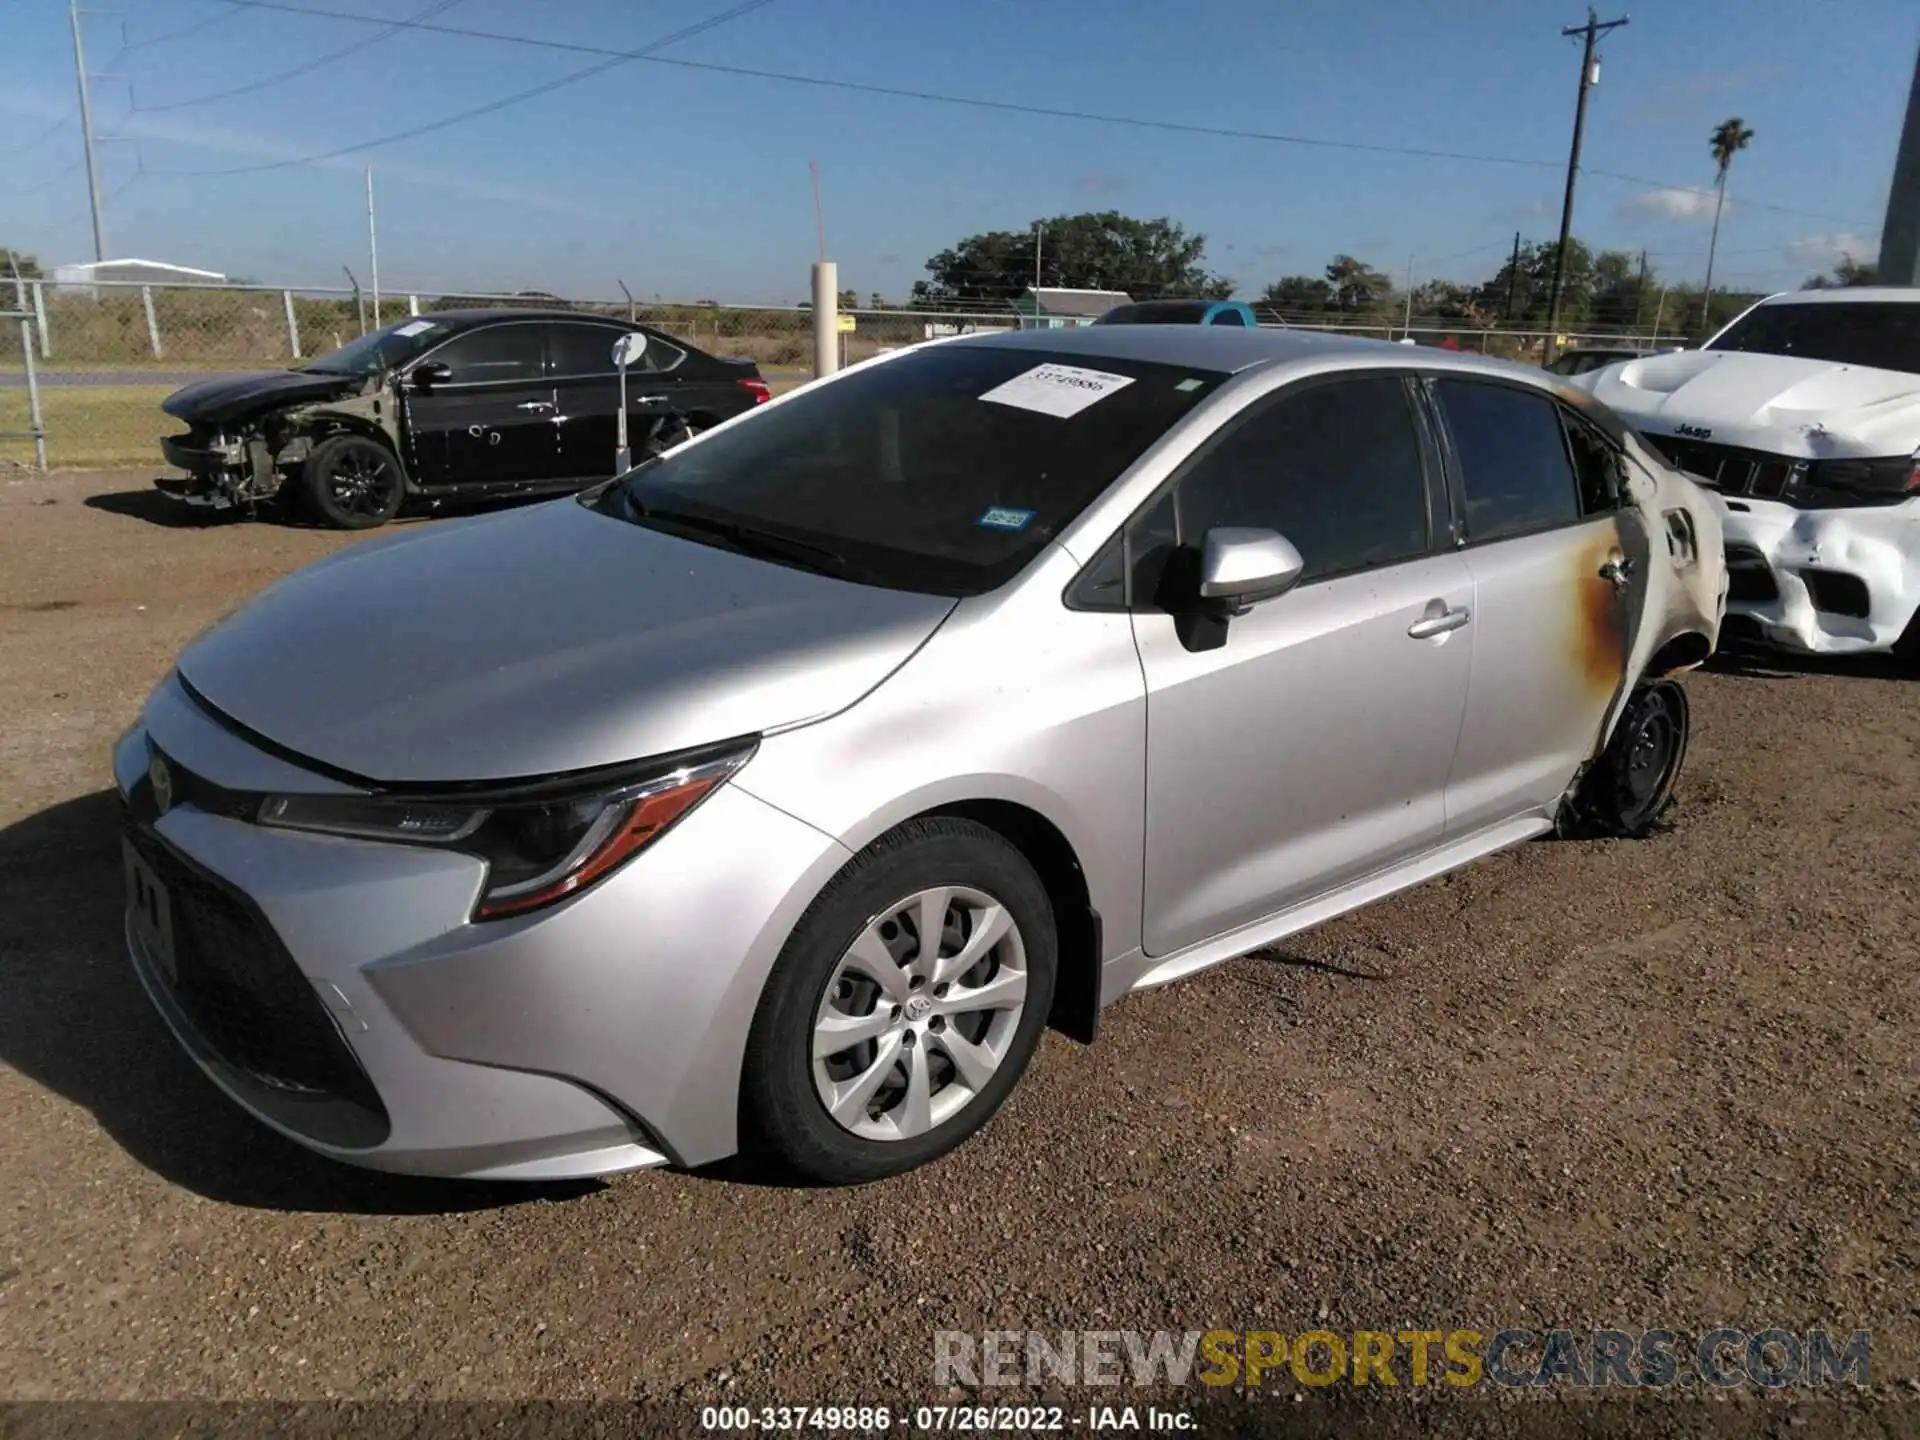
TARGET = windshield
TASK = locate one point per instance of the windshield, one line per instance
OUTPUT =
(380, 350)
(943, 470)
(1883, 335)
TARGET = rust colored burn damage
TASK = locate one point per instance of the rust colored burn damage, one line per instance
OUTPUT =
(1600, 612)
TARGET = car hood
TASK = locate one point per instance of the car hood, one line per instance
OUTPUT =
(1778, 403)
(227, 397)
(540, 641)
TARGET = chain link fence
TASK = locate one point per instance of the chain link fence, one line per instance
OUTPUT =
(103, 355)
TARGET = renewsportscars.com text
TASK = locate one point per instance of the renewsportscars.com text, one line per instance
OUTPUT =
(1722, 1358)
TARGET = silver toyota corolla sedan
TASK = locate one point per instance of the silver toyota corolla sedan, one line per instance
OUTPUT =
(782, 791)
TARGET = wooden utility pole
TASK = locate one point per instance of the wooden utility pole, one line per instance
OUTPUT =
(1589, 76)
(1513, 274)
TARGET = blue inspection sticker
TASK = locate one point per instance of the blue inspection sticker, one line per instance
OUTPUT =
(1000, 517)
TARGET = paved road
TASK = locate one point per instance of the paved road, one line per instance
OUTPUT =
(84, 379)
(102, 379)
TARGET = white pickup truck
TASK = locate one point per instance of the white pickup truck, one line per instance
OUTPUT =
(1804, 416)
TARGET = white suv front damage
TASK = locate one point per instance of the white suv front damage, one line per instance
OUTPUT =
(1804, 415)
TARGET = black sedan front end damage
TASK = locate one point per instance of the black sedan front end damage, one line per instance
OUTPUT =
(247, 435)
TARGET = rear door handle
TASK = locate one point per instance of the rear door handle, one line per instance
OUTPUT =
(1438, 621)
(652, 400)
(534, 405)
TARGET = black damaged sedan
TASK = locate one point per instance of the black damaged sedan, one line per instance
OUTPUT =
(465, 404)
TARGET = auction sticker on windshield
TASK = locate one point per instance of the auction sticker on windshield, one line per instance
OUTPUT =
(1060, 390)
(417, 327)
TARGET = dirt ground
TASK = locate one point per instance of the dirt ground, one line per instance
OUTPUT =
(1669, 1083)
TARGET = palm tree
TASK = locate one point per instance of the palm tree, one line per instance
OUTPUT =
(1729, 138)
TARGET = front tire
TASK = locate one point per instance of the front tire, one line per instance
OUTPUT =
(872, 1051)
(353, 483)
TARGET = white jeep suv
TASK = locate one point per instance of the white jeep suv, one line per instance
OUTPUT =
(1804, 415)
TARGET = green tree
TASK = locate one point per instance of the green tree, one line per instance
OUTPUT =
(1848, 271)
(1096, 251)
(1729, 138)
(1531, 284)
(1357, 286)
(848, 300)
(1299, 294)
(14, 262)
(1618, 295)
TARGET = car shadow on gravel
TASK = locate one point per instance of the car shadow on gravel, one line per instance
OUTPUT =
(1757, 664)
(157, 508)
(74, 1019)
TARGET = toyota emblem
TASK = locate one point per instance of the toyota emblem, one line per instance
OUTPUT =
(161, 778)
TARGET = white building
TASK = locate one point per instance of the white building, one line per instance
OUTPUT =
(131, 272)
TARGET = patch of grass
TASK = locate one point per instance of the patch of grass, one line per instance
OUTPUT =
(87, 426)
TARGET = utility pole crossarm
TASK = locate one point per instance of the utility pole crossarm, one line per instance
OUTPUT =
(1591, 32)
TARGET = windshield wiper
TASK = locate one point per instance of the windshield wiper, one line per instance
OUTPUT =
(747, 539)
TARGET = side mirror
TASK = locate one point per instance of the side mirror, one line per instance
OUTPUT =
(1240, 567)
(434, 372)
(629, 350)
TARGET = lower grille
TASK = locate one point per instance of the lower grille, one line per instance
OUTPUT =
(246, 998)
(1749, 578)
(1837, 593)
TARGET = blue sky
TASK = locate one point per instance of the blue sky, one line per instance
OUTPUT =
(693, 184)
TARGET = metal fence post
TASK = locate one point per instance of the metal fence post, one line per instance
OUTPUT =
(153, 325)
(38, 424)
(413, 304)
(40, 320)
(293, 325)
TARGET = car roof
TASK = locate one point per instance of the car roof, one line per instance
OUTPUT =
(1232, 350)
(1849, 294)
(467, 318)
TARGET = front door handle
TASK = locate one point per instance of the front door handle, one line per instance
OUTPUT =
(652, 400)
(1438, 621)
(534, 405)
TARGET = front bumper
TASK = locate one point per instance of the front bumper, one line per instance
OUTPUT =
(183, 453)
(605, 1034)
(1824, 581)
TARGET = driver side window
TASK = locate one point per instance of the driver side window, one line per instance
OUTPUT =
(1334, 467)
(497, 352)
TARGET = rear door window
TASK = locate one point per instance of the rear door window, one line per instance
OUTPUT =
(581, 350)
(1516, 474)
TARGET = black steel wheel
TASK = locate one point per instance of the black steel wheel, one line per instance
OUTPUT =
(353, 483)
(1631, 785)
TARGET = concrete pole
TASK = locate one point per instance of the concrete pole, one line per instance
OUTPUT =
(1900, 236)
(86, 133)
(826, 318)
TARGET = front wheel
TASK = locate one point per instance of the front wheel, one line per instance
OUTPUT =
(353, 483)
(905, 1006)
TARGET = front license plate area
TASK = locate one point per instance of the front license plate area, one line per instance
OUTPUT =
(150, 913)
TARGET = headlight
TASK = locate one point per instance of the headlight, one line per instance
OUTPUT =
(1895, 478)
(541, 843)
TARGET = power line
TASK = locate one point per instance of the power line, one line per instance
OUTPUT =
(46, 184)
(179, 34)
(975, 102)
(299, 70)
(899, 93)
(1751, 204)
(617, 58)
(47, 134)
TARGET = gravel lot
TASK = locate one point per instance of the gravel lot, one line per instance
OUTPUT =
(1659, 1084)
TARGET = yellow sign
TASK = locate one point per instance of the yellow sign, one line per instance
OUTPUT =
(846, 323)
